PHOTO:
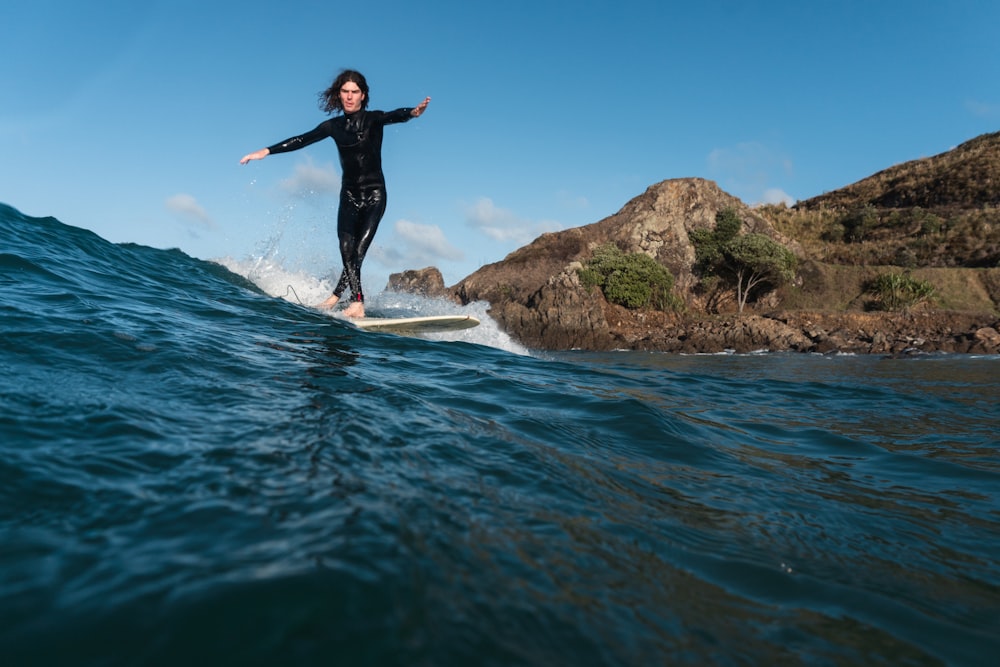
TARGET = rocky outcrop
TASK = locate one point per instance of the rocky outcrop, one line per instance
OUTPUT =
(854, 333)
(425, 282)
(559, 315)
(536, 296)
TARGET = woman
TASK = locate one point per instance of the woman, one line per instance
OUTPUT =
(358, 133)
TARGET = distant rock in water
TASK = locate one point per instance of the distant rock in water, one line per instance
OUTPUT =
(425, 282)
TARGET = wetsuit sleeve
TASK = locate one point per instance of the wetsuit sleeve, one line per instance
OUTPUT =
(397, 116)
(321, 131)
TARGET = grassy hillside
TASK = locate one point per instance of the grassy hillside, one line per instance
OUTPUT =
(941, 211)
(964, 177)
(839, 287)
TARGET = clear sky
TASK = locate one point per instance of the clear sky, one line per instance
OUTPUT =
(129, 118)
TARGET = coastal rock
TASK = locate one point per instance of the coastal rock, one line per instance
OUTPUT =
(559, 315)
(988, 336)
(897, 333)
(737, 334)
(425, 282)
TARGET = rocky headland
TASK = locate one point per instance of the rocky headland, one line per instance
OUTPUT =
(935, 219)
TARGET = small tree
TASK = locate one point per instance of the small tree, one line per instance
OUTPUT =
(747, 263)
(756, 261)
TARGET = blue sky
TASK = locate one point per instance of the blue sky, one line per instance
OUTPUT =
(129, 118)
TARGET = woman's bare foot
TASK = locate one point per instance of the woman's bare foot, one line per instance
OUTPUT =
(329, 303)
(355, 310)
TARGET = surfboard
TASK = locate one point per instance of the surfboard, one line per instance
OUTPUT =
(416, 325)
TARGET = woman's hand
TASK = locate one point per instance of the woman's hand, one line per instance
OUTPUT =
(419, 109)
(259, 155)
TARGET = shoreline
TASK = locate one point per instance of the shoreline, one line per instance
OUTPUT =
(879, 333)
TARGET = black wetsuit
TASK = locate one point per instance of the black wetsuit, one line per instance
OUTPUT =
(362, 184)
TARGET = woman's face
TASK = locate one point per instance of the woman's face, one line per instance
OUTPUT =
(351, 97)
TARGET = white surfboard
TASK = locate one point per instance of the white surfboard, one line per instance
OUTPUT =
(416, 325)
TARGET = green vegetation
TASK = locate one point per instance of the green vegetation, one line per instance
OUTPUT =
(747, 264)
(898, 291)
(633, 280)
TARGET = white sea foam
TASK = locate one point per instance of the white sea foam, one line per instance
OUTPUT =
(301, 287)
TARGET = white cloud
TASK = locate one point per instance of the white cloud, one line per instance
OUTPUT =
(503, 225)
(416, 245)
(187, 207)
(748, 169)
(778, 196)
(309, 179)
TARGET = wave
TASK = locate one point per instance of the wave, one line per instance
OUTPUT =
(194, 466)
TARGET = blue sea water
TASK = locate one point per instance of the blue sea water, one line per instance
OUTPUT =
(196, 471)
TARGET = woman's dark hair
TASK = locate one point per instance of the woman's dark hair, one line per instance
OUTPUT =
(329, 99)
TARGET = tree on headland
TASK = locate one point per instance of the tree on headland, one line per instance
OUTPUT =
(756, 261)
(747, 264)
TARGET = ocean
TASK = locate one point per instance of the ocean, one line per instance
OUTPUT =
(195, 469)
